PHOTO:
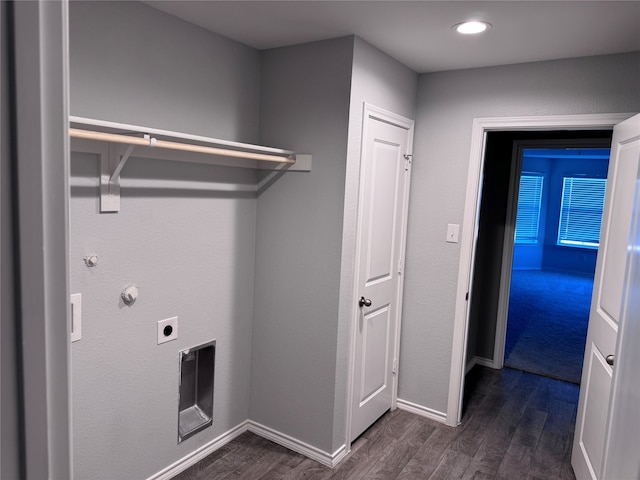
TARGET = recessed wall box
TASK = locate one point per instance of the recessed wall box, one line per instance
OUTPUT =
(167, 330)
(197, 366)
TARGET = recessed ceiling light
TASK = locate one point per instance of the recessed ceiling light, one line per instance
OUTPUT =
(471, 27)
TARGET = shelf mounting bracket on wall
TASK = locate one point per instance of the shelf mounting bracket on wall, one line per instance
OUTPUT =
(191, 148)
(115, 176)
(110, 167)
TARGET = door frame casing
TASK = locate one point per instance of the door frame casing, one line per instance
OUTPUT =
(371, 112)
(41, 221)
(480, 128)
(508, 247)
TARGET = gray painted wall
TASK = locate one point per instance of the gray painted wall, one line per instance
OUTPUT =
(312, 100)
(300, 329)
(447, 104)
(185, 236)
(304, 107)
(194, 250)
(132, 61)
(382, 81)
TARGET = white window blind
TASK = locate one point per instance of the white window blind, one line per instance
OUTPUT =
(529, 202)
(581, 211)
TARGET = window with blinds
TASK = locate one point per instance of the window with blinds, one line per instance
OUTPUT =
(581, 211)
(529, 203)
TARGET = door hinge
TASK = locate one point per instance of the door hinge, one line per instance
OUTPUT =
(395, 366)
(467, 296)
(407, 163)
(400, 267)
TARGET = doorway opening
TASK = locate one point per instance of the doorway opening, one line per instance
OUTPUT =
(508, 157)
(557, 214)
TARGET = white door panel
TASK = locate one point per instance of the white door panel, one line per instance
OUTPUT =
(381, 231)
(387, 161)
(604, 319)
(615, 257)
(621, 459)
(595, 407)
(375, 354)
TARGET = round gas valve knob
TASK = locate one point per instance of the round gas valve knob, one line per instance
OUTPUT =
(91, 260)
(129, 295)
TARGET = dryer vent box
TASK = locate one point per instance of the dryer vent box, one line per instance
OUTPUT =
(197, 367)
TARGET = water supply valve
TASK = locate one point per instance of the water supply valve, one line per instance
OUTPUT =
(129, 295)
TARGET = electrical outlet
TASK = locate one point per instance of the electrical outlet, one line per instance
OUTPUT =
(167, 330)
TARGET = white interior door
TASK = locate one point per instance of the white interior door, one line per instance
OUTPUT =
(384, 184)
(620, 460)
(606, 307)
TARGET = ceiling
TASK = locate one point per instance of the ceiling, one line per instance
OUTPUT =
(418, 33)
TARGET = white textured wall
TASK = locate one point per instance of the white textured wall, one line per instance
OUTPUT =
(188, 245)
(304, 107)
(447, 104)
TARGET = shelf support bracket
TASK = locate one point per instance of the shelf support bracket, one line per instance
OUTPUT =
(111, 166)
(115, 176)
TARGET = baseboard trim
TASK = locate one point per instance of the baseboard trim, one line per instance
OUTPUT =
(338, 455)
(470, 365)
(484, 362)
(314, 453)
(202, 452)
(422, 411)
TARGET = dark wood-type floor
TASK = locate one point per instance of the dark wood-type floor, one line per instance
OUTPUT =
(515, 426)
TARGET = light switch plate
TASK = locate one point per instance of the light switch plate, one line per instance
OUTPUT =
(167, 330)
(453, 233)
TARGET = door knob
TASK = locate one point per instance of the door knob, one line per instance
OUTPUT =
(364, 302)
(610, 359)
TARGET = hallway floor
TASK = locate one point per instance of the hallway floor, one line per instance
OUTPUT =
(515, 425)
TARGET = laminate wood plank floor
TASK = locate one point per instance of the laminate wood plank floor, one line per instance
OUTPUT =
(515, 426)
